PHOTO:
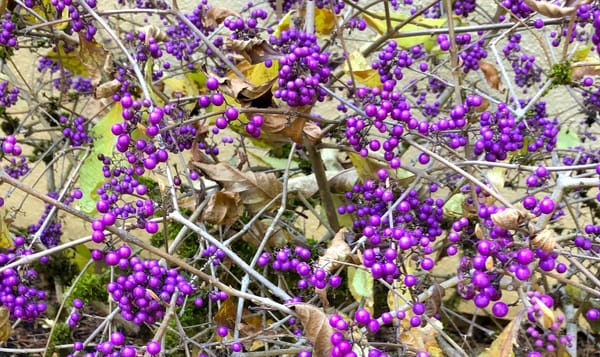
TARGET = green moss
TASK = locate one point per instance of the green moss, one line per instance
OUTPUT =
(91, 287)
(560, 73)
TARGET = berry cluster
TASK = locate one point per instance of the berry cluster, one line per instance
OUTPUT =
(8, 96)
(8, 34)
(52, 228)
(145, 287)
(16, 286)
(464, 7)
(517, 7)
(544, 329)
(303, 67)
(245, 30)
(75, 131)
(471, 53)
(412, 226)
(17, 166)
(526, 72)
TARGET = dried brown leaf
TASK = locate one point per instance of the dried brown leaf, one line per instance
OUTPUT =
(322, 294)
(279, 237)
(223, 208)
(343, 181)
(255, 188)
(154, 32)
(5, 327)
(338, 251)
(492, 76)
(93, 56)
(578, 72)
(317, 328)
(511, 218)
(106, 89)
(226, 314)
(216, 15)
(254, 50)
(544, 240)
(247, 94)
(549, 9)
(433, 304)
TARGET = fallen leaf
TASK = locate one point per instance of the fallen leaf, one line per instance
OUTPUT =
(337, 252)
(255, 188)
(492, 76)
(317, 328)
(223, 208)
(216, 15)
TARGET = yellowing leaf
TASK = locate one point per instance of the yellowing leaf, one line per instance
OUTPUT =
(259, 73)
(5, 327)
(324, 21)
(503, 344)
(361, 70)
(284, 24)
(184, 87)
(93, 56)
(566, 139)
(548, 316)
(70, 61)
(360, 283)
(453, 208)
(47, 12)
(420, 23)
(226, 314)
(367, 167)
(5, 235)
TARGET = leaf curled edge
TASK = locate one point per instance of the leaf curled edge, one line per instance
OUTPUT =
(317, 328)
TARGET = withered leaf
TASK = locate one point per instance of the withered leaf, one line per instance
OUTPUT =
(107, 89)
(93, 56)
(279, 238)
(578, 72)
(317, 328)
(549, 9)
(337, 252)
(491, 74)
(154, 32)
(216, 15)
(434, 303)
(544, 240)
(5, 327)
(503, 344)
(255, 188)
(223, 208)
(254, 50)
(247, 94)
(226, 314)
(511, 218)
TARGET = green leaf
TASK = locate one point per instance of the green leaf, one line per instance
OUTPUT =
(360, 283)
(82, 256)
(104, 143)
(70, 61)
(453, 208)
(566, 139)
(271, 162)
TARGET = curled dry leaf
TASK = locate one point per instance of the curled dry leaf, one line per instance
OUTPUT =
(492, 76)
(511, 218)
(247, 94)
(317, 328)
(255, 188)
(107, 89)
(544, 240)
(282, 128)
(254, 50)
(223, 208)
(338, 251)
(548, 9)
(216, 15)
(154, 32)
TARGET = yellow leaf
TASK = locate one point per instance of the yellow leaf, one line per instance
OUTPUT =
(47, 12)
(181, 87)
(419, 23)
(503, 344)
(5, 327)
(284, 24)
(70, 61)
(361, 70)
(324, 21)
(5, 235)
(259, 73)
